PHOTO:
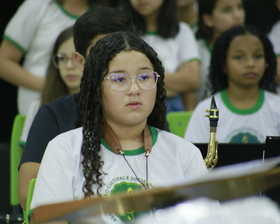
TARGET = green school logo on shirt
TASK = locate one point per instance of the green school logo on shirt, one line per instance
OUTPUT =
(244, 138)
(129, 188)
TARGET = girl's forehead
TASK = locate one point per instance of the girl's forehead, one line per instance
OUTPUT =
(246, 41)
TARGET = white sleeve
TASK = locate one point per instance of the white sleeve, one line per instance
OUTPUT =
(188, 44)
(55, 178)
(274, 37)
(22, 27)
(198, 128)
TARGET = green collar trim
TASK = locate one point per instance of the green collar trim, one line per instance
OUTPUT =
(154, 134)
(208, 46)
(67, 13)
(251, 110)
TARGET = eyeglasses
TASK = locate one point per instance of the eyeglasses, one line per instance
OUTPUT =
(120, 82)
(60, 60)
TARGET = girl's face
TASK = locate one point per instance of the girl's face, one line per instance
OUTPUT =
(133, 105)
(226, 14)
(147, 7)
(245, 62)
(68, 69)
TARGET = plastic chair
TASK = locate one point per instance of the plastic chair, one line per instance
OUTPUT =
(178, 122)
(15, 156)
(31, 186)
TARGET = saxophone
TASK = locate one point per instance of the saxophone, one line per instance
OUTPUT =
(211, 158)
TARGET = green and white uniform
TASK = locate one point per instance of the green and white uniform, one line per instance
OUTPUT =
(60, 178)
(33, 30)
(235, 125)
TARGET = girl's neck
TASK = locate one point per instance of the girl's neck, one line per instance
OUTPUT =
(75, 7)
(243, 98)
(187, 14)
(130, 137)
(151, 22)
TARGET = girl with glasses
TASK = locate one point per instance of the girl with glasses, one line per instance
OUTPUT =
(63, 78)
(122, 145)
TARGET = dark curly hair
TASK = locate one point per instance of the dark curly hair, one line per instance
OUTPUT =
(89, 103)
(217, 76)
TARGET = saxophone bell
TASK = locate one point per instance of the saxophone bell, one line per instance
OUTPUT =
(211, 158)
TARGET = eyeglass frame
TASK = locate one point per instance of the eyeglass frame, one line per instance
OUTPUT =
(107, 77)
(68, 58)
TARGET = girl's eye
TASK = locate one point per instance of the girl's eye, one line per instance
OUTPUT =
(259, 56)
(238, 57)
(226, 10)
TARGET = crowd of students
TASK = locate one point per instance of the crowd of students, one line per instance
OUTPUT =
(102, 80)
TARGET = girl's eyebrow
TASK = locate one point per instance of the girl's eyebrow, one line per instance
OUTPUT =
(124, 71)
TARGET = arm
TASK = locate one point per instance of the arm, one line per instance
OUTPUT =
(43, 129)
(186, 78)
(11, 71)
(27, 172)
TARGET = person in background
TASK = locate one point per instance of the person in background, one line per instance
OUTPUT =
(63, 77)
(242, 79)
(122, 145)
(215, 17)
(187, 12)
(156, 22)
(59, 116)
(30, 35)
(274, 36)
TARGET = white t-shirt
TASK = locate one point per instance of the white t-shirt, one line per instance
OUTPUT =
(205, 55)
(274, 37)
(60, 178)
(173, 52)
(33, 30)
(235, 125)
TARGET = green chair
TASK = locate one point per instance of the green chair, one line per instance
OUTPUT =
(178, 122)
(15, 156)
(28, 199)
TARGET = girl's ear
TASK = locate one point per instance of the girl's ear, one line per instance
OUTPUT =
(80, 60)
(208, 20)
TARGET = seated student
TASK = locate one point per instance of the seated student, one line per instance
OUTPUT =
(215, 17)
(242, 78)
(59, 116)
(187, 12)
(63, 77)
(122, 145)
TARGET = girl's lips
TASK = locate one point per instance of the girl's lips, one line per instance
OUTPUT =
(71, 77)
(134, 105)
(251, 75)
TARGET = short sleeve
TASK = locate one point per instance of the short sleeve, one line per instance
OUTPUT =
(23, 25)
(188, 44)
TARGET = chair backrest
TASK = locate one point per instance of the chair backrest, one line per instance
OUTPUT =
(178, 122)
(15, 156)
(31, 186)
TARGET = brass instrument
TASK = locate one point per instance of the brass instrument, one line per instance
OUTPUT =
(211, 158)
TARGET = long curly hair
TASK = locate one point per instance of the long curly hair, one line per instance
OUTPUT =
(89, 103)
(218, 79)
